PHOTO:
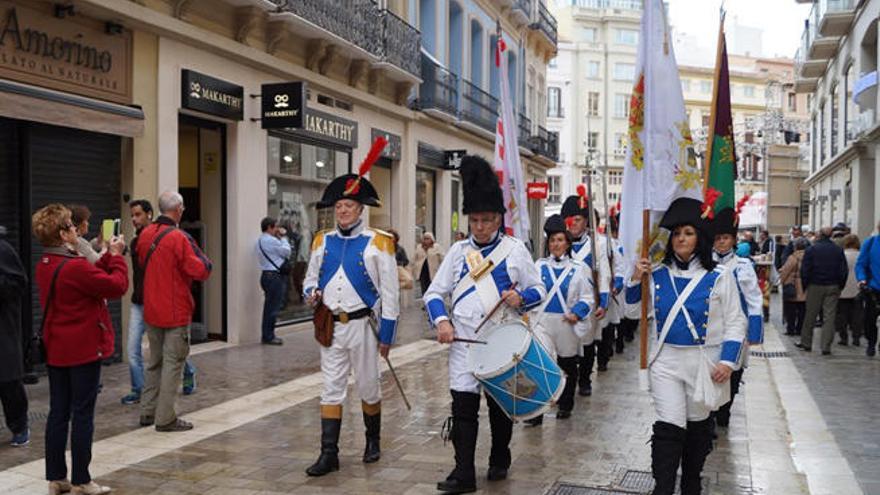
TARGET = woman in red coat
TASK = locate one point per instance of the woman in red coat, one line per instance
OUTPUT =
(78, 334)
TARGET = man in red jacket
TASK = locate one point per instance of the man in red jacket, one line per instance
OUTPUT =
(171, 260)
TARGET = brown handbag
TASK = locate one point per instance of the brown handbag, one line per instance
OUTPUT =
(323, 320)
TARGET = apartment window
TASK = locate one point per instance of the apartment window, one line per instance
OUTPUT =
(750, 168)
(835, 106)
(592, 141)
(685, 85)
(749, 91)
(588, 34)
(593, 104)
(624, 72)
(620, 144)
(705, 87)
(593, 69)
(705, 120)
(792, 102)
(848, 106)
(626, 37)
(822, 133)
(621, 106)
(585, 177)
(613, 196)
(554, 102)
(554, 191)
(615, 177)
(809, 103)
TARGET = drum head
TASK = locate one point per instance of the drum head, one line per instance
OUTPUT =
(503, 341)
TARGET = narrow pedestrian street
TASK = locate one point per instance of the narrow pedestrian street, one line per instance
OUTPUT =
(257, 429)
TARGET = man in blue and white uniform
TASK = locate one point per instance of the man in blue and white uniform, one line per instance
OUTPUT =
(352, 270)
(726, 226)
(576, 211)
(475, 275)
(612, 335)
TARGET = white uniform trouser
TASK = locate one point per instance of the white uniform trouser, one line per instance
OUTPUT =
(673, 375)
(594, 331)
(354, 345)
(557, 336)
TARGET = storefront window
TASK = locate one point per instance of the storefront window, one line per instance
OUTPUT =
(425, 197)
(298, 173)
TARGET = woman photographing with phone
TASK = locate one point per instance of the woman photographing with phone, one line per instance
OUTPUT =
(699, 329)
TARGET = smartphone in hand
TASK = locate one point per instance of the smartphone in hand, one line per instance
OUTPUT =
(110, 228)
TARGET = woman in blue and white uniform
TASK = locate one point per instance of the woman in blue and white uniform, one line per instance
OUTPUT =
(560, 322)
(706, 322)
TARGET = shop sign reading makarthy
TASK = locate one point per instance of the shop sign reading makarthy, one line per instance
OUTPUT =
(328, 127)
(73, 54)
(210, 95)
(283, 105)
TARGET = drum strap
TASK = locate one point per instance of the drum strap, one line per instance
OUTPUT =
(557, 284)
(676, 308)
(485, 285)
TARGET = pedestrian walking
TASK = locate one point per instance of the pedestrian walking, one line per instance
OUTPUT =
(171, 261)
(399, 253)
(794, 294)
(352, 282)
(477, 275)
(576, 211)
(701, 332)
(141, 215)
(561, 320)
(13, 285)
(724, 226)
(823, 273)
(849, 307)
(77, 334)
(427, 260)
(273, 253)
(868, 275)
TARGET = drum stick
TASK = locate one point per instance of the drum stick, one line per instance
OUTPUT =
(469, 341)
(494, 309)
(372, 324)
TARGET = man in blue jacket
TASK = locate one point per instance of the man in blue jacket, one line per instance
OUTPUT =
(868, 275)
(823, 274)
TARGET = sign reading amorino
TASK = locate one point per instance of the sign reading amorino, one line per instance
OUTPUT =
(210, 95)
(282, 105)
(73, 54)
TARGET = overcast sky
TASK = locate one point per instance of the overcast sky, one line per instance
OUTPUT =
(781, 20)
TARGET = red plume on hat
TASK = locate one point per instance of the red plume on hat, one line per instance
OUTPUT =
(739, 206)
(711, 197)
(582, 192)
(352, 186)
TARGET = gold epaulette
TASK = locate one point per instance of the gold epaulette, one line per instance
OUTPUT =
(383, 241)
(318, 240)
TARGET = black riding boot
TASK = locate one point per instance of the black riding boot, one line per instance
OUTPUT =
(373, 424)
(722, 415)
(331, 421)
(585, 369)
(501, 428)
(667, 444)
(606, 348)
(697, 445)
(618, 340)
(465, 425)
(565, 404)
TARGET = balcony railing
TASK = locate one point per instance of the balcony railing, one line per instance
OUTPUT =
(546, 143)
(525, 131)
(439, 89)
(353, 20)
(478, 107)
(524, 5)
(610, 4)
(400, 43)
(546, 23)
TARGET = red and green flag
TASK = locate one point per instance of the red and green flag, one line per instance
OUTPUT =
(720, 160)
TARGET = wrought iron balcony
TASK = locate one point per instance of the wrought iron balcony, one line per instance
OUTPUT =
(439, 88)
(522, 11)
(610, 4)
(478, 107)
(525, 131)
(354, 21)
(546, 23)
(400, 43)
(546, 143)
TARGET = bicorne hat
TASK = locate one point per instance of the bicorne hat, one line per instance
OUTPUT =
(685, 211)
(355, 186)
(726, 221)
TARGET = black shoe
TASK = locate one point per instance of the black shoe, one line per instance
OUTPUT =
(371, 451)
(619, 348)
(30, 379)
(175, 426)
(563, 414)
(870, 351)
(536, 421)
(453, 486)
(603, 367)
(147, 421)
(843, 342)
(326, 464)
(275, 341)
(857, 343)
(585, 390)
(328, 461)
(496, 473)
(826, 353)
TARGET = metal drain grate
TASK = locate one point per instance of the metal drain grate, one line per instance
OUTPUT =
(569, 489)
(640, 481)
(770, 354)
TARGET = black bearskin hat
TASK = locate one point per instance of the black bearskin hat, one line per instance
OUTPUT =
(359, 190)
(726, 221)
(554, 224)
(481, 190)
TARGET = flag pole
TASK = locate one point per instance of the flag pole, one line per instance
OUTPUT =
(710, 137)
(646, 293)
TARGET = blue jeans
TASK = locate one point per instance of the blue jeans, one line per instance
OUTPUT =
(274, 287)
(72, 394)
(136, 328)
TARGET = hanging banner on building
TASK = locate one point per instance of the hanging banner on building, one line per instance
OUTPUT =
(754, 212)
(282, 105)
(210, 95)
(537, 190)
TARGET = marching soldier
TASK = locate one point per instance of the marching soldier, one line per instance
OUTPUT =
(351, 279)
(699, 329)
(612, 333)
(476, 274)
(725, 225)
(561, 321)
(576, 211)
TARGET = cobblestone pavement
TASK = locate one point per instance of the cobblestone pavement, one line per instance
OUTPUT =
(846, 387)
(265, 446)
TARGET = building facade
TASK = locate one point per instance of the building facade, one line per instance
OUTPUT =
(152, 95)
(836, 65)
